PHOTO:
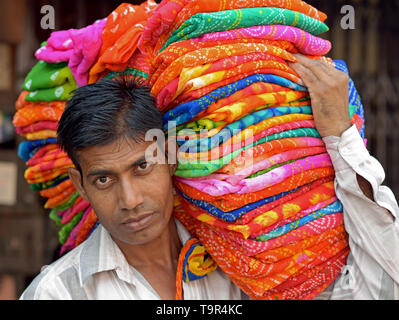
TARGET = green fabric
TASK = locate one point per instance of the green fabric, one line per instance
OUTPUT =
(56, 218)
(202, 23)
(48, 184)
(204, 168)
(53, 213)
(66, 229)
(49, 82)
(197, 126)
(262, 172)
(127, 72)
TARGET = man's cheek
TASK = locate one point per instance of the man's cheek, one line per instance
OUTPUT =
(103, 202)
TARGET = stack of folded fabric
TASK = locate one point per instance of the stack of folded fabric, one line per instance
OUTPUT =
(255, 184)
(119, 55)
(39, 108)
(70, 59)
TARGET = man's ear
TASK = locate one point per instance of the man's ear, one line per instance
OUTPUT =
(76, 178)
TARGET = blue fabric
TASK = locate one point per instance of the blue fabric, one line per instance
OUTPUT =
(206, 144)
(235, 128)
(232, 216)
(94, 228)
(354, 98)
(27, 149)
(187, 274)
(332, 208)
(189, 110)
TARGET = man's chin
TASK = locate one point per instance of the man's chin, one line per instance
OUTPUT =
(143, 236)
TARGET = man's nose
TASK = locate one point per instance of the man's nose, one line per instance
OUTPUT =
(130, 194)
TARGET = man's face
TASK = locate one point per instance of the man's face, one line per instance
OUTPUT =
(132, 198)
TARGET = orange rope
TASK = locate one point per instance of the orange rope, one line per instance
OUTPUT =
(179, 273)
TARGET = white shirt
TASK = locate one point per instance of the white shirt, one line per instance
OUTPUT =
(97, 269)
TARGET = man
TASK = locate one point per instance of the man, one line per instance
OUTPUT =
(134, 253)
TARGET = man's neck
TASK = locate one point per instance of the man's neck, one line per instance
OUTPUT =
(162, 251)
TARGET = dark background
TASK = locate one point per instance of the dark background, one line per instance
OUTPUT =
(28, 239)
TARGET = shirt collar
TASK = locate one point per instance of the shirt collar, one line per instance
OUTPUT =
(100, 253)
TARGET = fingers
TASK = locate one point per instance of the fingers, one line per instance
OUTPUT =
(305, 74)
(318, 68)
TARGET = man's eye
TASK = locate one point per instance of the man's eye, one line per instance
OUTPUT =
(102, 180)
(143, 165)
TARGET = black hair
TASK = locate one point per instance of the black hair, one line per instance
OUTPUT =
(105, 111)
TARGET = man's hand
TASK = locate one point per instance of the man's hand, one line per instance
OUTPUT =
(328, 89)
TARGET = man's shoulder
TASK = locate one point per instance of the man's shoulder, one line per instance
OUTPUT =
(53, 278)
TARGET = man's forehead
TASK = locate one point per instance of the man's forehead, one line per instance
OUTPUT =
(119, 150)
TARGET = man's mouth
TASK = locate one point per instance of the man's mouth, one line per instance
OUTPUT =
(139, 223)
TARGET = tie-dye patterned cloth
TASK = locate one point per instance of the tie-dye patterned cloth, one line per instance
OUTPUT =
(260, 277)
(188, 111)
(78, 47)
(49, 82)
(259, 183)
(256, 191)
(305, 42)
(36, 112)
(203, 23)
(170, 15)
(120, 39)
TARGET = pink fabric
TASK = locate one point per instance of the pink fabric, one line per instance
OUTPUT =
(74, 233)
(305, 42)
(265, 164)
(251, 247)
(59, 48)
(217, 188)
(87, 45)
(67, 217)
(79, 47)
(37, 126)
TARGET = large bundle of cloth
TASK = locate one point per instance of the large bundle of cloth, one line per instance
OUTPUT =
(254, 184)
(67, 60)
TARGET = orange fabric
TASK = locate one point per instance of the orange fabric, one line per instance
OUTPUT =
(267, 218)
(233, 201)
(210, 52)
(172, 13)
(120, 38)
(257, 277)
(60, 198)
(195, 94)
(86, 227)
(179, 273)
(33, 112)
(266, 150)
(54, 191)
